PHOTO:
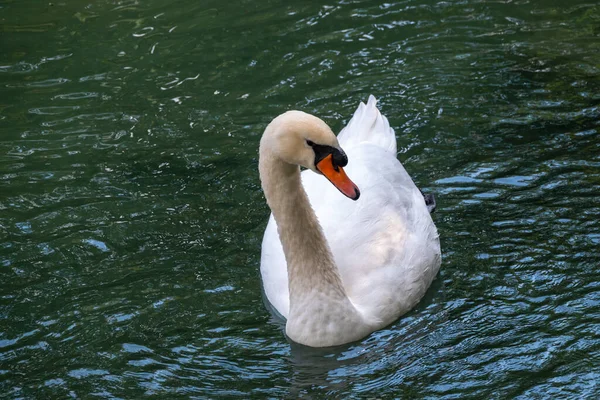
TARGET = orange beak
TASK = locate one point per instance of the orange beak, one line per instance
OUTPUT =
(338, 177)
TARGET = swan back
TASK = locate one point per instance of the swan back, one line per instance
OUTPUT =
(368, 125)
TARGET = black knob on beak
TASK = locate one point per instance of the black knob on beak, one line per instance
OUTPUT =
(340, 159)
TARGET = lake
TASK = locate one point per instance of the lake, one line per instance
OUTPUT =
(131, 213)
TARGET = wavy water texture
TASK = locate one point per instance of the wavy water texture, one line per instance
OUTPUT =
(131, 214)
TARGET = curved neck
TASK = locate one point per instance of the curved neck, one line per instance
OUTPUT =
(320, 313)
(310, 262)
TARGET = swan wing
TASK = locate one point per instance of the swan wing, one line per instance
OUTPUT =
(385, 245)
(370, 126)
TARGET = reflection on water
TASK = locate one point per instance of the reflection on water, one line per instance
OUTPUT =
(131, 215)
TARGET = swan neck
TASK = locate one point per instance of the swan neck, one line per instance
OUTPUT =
(320, 312)
(309, 259)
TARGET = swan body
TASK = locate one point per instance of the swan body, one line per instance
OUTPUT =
(335, 268)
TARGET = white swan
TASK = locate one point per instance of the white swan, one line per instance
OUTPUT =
(368, 261)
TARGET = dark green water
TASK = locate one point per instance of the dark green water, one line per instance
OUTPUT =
(131, 214)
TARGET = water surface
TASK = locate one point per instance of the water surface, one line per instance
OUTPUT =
(131, 214)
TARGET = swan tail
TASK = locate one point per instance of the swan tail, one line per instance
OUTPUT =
(368, 125)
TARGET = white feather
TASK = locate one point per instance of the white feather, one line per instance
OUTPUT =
(370, 126)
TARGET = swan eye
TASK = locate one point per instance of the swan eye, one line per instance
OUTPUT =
(310, 143)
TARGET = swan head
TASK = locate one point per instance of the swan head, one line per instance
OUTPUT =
(302, 139)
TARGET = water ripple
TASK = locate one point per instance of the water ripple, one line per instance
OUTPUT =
(131, 214)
